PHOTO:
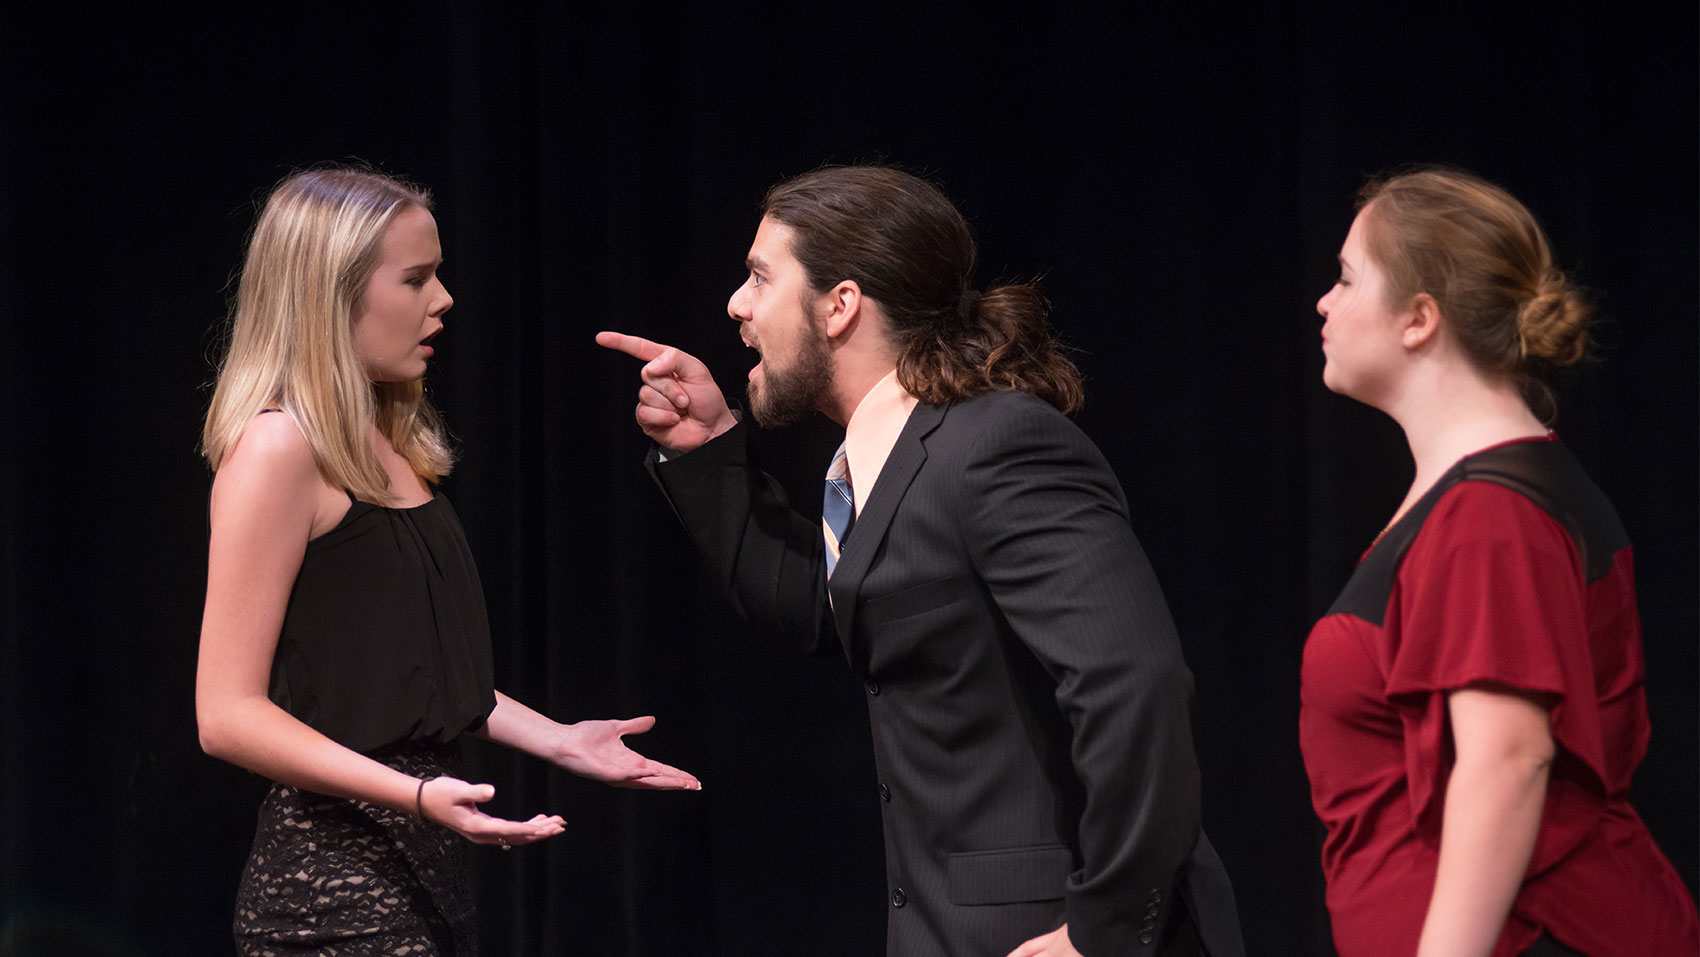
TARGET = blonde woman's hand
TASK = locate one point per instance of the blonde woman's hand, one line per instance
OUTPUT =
(596, 750)
(453, 803)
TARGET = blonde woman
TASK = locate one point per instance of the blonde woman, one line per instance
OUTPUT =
(344, 646)
(1473, 706)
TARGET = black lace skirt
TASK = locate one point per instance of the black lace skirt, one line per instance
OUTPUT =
(332, 876)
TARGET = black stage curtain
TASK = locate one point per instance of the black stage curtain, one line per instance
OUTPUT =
(1181, 179)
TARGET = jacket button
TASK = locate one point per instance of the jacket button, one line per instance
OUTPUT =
(1156, 897)
(1151, 912)
(898, 898)
(1145, 938)
(872, 686)
(885, 794)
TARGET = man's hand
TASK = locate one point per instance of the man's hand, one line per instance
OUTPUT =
(679, 406)
(1053, 944)
(594, 749)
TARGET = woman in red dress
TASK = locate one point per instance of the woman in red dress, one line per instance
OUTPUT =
(1473, 705)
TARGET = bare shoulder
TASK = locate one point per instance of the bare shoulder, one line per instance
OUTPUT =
(270, 447)
(271, 469)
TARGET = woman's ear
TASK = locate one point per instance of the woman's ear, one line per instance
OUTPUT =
(1421, 321)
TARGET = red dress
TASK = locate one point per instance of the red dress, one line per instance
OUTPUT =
(1513, 569)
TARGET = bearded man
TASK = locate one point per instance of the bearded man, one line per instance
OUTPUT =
(974, 561)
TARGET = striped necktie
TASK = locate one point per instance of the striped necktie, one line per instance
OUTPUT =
(838, 508)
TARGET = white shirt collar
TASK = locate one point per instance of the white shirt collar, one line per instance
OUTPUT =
(872, 432)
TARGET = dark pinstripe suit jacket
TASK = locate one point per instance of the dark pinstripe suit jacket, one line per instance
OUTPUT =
(1024, 682)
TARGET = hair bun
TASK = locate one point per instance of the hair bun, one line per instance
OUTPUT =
(1553, 324)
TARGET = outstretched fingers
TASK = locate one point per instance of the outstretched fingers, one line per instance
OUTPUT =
(648, 773)
(495, 830)
(453, 803)
(636, 725)
(663, 777)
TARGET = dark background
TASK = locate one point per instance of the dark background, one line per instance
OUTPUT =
(1182, 181)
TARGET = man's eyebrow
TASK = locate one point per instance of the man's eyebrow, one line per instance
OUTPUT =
(754, 263)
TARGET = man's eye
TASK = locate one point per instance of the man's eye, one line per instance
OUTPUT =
(757, 279)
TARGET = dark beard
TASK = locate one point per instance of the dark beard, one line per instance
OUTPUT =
(792, 395)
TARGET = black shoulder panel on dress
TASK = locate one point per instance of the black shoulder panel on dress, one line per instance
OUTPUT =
(1365, 594)
(1548, 475)
(1543, 472)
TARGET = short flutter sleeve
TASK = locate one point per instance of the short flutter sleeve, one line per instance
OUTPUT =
(1493, 590)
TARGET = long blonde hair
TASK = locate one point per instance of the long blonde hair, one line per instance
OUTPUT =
(309, 261)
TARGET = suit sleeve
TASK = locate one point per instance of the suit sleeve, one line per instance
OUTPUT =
(1047, 527)
(767, 558)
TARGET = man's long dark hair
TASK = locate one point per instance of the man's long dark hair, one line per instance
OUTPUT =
(899, 239)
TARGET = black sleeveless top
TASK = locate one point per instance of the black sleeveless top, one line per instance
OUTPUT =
(385, 639)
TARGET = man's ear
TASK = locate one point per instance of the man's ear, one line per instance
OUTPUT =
(1421, 321)
(840, 307)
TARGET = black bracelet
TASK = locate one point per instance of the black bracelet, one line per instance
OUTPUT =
(419, 798)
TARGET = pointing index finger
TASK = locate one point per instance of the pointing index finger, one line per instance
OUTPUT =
(634, 346)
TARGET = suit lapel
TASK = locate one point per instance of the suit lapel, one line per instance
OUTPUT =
(899, 470)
